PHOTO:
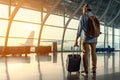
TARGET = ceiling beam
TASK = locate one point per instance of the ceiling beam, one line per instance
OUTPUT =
(114, 18)
(106, 10)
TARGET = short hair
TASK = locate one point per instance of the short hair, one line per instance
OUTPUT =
(88, 7)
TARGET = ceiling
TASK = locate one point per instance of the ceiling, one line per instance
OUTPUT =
(107, 11)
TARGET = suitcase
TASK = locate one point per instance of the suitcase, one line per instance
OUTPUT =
(73, 61)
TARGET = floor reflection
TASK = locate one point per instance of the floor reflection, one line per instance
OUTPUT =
(6, 66)
(94, 76)
(43, 58)
(39, 69)
(73, 77)
(55, 57)
(53, 67)
(13, 59)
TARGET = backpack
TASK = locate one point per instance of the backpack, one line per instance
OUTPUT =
(93, 29)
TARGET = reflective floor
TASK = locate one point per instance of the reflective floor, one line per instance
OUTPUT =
(53, 67)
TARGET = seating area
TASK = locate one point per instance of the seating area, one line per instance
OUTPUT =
(15, 50)
(19, 50)
(43, 49)
(105, 49)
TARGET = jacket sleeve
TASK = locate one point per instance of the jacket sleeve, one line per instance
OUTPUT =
(81, 20)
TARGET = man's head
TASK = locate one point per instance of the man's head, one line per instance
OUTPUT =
(86, 8)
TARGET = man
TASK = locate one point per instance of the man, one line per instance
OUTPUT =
(87, 43)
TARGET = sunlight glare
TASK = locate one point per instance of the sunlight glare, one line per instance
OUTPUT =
(30, 27)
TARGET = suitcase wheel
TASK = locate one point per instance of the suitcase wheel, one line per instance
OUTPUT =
(69, 73)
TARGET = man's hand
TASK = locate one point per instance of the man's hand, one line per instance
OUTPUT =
(76, 43)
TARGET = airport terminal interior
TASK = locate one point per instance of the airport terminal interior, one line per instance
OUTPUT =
(36, 37)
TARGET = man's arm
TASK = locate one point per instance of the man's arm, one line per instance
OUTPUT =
(79, 31)
(76, 41)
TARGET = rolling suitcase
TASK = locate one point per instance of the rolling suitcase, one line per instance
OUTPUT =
(73, 61)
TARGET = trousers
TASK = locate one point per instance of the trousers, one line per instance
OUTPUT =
(86, 48)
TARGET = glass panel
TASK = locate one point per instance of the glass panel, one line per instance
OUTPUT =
(23, 29)
(21, 32)
(116, 31)
(73, 24)
(3, 27)
(109, 39)
(101, 38)
(51, 34)
(55, 20)
(100, 45)
(102, 28)
(28, 15)
(2, 41)
(3, 11)
(109, 30)
(116, 44)
(69, 39)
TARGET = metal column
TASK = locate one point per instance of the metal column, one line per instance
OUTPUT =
(11, 17)
(44, 20)
(113, 36)
(65, 27)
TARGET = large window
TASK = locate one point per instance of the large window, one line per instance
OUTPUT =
(27, 24)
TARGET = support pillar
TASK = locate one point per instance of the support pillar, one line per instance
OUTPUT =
(54, 47)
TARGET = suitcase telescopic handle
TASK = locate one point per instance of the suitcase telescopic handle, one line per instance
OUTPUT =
(75, 48)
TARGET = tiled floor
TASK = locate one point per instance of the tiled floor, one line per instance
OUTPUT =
(53, 67)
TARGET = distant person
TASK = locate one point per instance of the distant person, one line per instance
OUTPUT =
(87, 43)
(108, 46)
(109, 49)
